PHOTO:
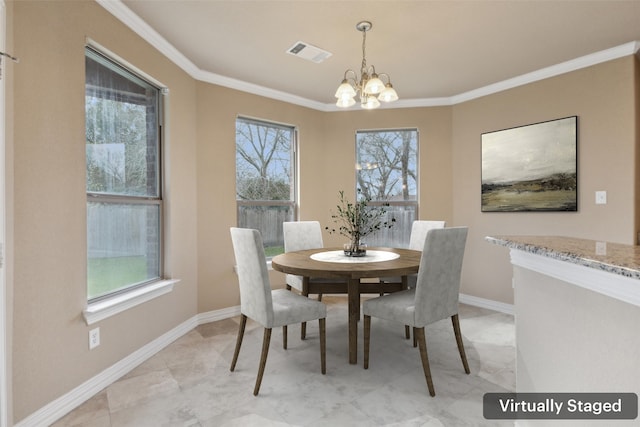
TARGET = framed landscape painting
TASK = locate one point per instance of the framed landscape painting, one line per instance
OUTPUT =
(531, 168)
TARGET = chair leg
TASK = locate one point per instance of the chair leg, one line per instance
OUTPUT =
(456, 330)
(407, 334)
(263, 359)
(422, 343)
(319, 297)
(284, 337)
(323, 345)
(367, 340)
(415, 340)
(303, 325)
(243, 323)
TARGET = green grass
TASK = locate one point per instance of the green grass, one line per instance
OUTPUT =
(110, 274)
(272, 251)
(105, 275)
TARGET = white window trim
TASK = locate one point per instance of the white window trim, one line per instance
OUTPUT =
(105, 308)
(119, 302)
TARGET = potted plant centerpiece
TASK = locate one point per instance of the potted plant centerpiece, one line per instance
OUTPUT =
(357, 220)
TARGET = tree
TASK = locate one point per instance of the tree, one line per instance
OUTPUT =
(387, 164)
(116, 138)
(263, 161)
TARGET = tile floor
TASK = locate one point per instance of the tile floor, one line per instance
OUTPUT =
(189, 383)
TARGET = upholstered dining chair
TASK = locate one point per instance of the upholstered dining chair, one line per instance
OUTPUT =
(419, 230)
(270, 308)
(298, 236)
(434, 298)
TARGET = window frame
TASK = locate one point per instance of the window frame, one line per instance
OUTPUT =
(107, 304)
(412, 203)
(293, 190)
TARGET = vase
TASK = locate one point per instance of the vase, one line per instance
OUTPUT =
(354, 249)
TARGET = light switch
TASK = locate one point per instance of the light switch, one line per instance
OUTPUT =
(601, 197)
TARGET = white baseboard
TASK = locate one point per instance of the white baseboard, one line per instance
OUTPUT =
(66, 403)
(487, 303)
(58, 408)
(215, 315)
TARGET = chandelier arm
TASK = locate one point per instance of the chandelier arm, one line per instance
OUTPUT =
(385, 75)
(354, 78)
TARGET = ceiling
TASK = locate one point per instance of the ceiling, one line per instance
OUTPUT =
(436, 52)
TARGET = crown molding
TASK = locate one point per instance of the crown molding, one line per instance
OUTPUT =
(626, 49)
(135, 23)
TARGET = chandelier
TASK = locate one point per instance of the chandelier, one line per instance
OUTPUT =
(370, 88)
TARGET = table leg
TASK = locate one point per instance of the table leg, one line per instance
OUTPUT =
(305, 292)
(354, 314)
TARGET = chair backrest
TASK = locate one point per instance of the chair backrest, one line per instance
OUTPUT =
(419, 230)
(438, 285)
(253, 277)
(300, 235)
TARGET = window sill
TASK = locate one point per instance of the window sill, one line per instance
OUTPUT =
(103, 309)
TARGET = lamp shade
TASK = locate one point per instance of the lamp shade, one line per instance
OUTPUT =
(388, 94)
(370, 102)
(345, 90)
(345, 102)
(374, 85)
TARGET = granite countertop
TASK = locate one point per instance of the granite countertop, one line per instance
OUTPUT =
(614, 258)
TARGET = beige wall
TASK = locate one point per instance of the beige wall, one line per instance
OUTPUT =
(50, 345)
(50, 351)
(603, 99)
(217, 111)
(8, 76)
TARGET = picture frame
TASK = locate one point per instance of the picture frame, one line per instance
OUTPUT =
(531, 168)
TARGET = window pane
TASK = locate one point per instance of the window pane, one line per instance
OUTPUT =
(268, 220)
(387, 164)
(399, 235)
(387, 172)
(264, 161)
(265, 185)
(123, 246)
(121, 131)
(122, 116)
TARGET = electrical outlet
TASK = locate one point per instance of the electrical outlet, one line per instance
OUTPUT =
(601, 197)
(94, 338)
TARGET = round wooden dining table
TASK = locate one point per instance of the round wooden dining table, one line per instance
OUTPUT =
(331, 263)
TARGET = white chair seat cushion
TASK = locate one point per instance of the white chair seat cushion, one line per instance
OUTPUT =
(398, 307)
(290, 308)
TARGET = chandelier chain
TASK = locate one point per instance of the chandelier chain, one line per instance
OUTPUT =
(363, 68)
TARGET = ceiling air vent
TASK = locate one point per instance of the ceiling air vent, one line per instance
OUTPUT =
(309, 52)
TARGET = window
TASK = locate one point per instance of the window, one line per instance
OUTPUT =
(265, 179)
(387, 173)
(124, 197)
